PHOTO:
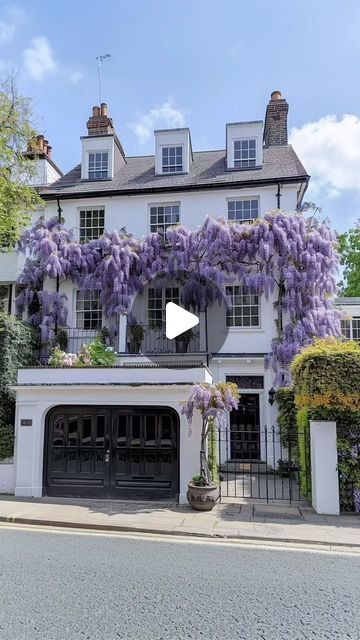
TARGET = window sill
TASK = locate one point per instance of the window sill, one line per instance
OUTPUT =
(96, 179)
(256, 168)
(243, 330)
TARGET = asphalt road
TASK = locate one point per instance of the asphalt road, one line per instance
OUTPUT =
(65, 586)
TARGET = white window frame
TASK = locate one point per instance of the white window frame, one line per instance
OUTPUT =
(175, 165)
(165, 297)
(244, 199)
(165, 225)
(352, 328)
(248, 159)
(232, 311)
(91, 209)
(93, 294)
(94, 153)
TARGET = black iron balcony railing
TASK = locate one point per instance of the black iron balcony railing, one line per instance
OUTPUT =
(71, 340)
(152, 340)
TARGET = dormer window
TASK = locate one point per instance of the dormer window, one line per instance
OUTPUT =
(244, 153)
(98, 165)
(172, 159)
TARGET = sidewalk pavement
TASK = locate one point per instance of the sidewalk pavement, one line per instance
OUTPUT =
(280, 523)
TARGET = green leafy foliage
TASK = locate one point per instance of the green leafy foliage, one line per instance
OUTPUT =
(18, 348)
(95, 354)
(287, 415)
(7, 440)
(349, 249)
(198, 480)
(326, 378)
(16, 169)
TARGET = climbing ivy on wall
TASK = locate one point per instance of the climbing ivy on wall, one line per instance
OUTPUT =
(18, 347)
(286, 256)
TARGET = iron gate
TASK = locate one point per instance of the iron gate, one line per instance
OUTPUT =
(264, 464)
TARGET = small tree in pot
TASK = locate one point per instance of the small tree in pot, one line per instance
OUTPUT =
(183, 340)
(213, 401)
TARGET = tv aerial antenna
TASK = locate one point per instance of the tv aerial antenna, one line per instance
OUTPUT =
(100, 59)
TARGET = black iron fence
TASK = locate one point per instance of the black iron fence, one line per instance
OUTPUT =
(152, 340)
(262, 464)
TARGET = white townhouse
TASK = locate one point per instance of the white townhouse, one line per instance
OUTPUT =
(118, 432)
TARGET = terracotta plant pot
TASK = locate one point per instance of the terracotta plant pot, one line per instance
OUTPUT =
(202, 498)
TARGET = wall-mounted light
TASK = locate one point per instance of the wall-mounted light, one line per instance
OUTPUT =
(271, 398)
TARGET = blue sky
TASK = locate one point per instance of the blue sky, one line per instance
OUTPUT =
(201, 63)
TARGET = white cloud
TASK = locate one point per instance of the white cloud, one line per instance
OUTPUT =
(7, 31)
(74, 76)
(330, 151)
(40, 61)
(164, 115)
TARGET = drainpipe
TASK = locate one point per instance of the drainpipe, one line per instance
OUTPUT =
(57, 277)
(278, 195)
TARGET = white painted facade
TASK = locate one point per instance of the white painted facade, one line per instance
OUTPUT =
(241, 351)
(41, 389)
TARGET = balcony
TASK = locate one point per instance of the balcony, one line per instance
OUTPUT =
(155, 342)
(149, 343)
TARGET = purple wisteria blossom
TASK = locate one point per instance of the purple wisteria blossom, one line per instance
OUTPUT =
(285, 256)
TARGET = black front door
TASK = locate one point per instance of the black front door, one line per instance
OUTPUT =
(118, 452)
(245, 428)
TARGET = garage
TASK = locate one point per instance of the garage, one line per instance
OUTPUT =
(111, 452)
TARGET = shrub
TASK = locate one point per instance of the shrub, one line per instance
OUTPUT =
(326, 379)
(287, 415)
(18, 348)
(95, 354)
(6, 441)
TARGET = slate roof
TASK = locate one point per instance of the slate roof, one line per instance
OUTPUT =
(208, 170)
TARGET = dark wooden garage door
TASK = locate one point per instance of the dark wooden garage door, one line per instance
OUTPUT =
(111, 452)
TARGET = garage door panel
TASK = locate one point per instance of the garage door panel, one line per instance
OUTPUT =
(112, 452)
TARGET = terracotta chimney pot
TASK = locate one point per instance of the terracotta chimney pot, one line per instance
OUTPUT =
(276, 95)
(96, 111)
(40, 142)
(104, 109)
(49, 149)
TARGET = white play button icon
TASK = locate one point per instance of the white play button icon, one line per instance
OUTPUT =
(178, 320)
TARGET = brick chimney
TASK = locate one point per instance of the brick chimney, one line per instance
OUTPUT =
(38, 146)
(275, 130)
(99, 124)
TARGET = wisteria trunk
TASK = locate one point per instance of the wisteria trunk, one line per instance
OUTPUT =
(204, 464)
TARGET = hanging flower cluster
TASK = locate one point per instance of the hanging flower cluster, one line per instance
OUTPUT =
(292, 259)
(212, 400)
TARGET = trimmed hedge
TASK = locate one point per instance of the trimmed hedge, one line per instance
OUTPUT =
(326, 380)
(285, 399)
(18, 348)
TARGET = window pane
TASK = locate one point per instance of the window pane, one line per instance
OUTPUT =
(121, 433)
(150, 429)
(86, 432)
(100, 431)
(73, 431)
(135, 433)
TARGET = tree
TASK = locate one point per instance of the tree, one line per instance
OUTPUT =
(349, 248)
(16, 169)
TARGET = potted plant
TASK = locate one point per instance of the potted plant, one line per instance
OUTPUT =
(135, 336)
(213, 401)
(183, 340)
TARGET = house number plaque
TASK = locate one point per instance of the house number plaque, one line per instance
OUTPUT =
(25, 422)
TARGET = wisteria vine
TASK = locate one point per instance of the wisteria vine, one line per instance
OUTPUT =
(286, 256)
